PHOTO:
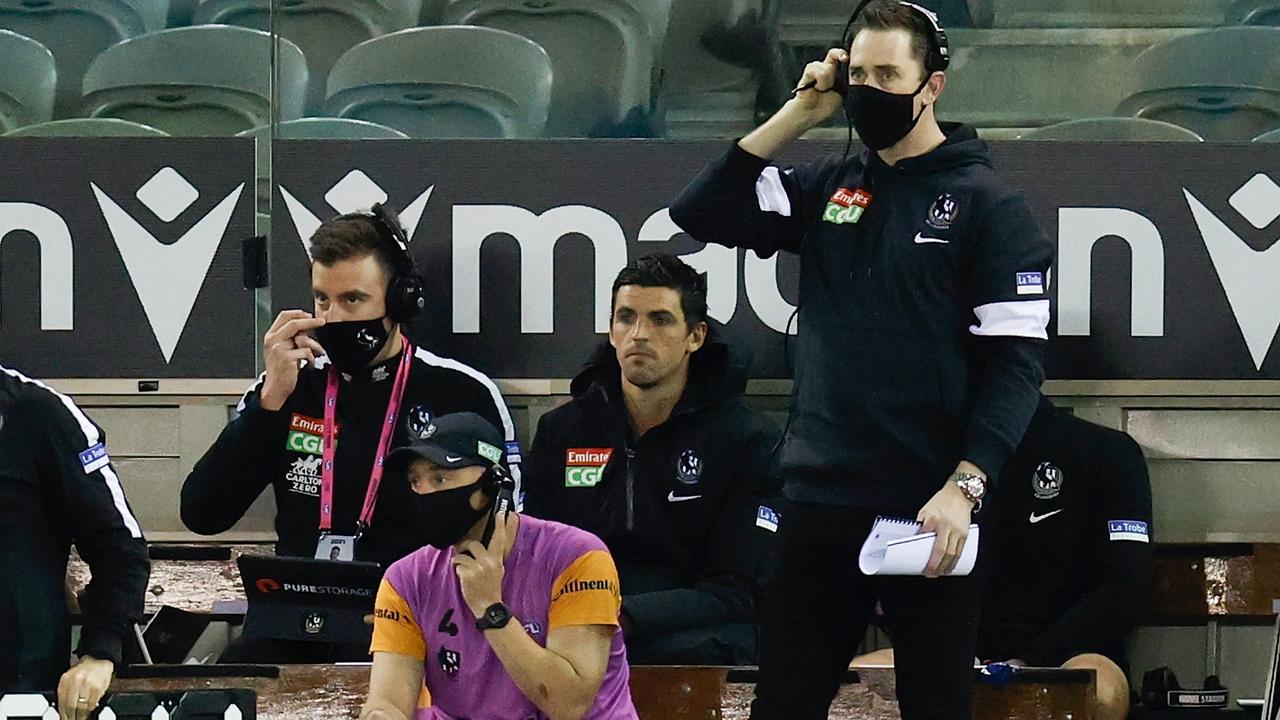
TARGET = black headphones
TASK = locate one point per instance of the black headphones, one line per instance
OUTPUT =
(406, 293)
(935, 60)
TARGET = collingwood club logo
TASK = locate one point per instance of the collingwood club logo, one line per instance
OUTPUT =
(1046, 481)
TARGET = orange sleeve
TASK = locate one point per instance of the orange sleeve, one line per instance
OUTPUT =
(394, 629)
(586, 593)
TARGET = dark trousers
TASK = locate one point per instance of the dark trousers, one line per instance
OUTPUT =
(815, 614)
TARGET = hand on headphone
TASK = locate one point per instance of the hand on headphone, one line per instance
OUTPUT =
(817, 93)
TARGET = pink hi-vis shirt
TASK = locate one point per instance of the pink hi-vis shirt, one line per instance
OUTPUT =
(556, 576)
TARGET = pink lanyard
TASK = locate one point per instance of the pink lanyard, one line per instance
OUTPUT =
(384, 443)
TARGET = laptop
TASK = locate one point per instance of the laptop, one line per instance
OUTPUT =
(295, 598)
(167, 639)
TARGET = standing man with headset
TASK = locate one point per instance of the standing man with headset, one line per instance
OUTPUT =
(921, 331)
(342, 388)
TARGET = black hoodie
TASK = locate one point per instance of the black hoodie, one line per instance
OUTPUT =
(687, 510)
(922, 318)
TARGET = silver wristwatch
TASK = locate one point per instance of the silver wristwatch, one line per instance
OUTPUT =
(973, 486)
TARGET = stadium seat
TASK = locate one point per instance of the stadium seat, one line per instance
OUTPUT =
(1254, 12)
(951, 13)
(431, 12)
(1223, 84)
(324, 29)
(689, 70)
(87, 127)
(75, 31)
(1107, 13)
(311, 128)
(27, 83)
(1113, 129)
(181, 12)
(220, 86)
(445, 82)
(1270, 137)
(603, 52)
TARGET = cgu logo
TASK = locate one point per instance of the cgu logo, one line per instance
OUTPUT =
(1248, 276)
(166, 276)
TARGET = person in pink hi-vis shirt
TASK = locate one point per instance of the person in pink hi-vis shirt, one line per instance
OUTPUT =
(521, 627)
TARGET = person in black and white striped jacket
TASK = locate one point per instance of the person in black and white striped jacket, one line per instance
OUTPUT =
(58, 488)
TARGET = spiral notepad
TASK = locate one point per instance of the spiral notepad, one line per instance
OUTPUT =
(897, 547)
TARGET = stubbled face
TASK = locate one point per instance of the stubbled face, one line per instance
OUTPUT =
(884, 59)
(649, 333)
(352, 289)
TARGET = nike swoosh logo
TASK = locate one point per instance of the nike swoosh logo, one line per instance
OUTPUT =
(452, 458)
(672, 497)
(1037, 518)
(921, 240)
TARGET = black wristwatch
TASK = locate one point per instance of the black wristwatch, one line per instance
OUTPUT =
(495, 616)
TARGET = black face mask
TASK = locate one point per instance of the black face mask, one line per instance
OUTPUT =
(444, 516)
(352, 345)
(881, 118)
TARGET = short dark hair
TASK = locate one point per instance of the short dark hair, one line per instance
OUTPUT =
(893, 15)
(669, 271)
(348, 237)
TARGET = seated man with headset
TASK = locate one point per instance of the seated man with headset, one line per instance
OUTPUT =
(342, 386)
(501, 616)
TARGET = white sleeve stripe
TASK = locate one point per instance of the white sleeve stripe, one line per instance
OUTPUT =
(771, 194)
(92, 438)
(256, 384)
(1019, 318)
(508, 427)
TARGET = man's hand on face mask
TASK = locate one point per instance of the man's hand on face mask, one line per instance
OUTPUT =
(285, 344)
(481, 569)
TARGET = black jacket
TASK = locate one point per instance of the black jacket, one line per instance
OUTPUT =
(687, 510)
(921, 323)
(281, 449)
(1068, 543)
(58, 487)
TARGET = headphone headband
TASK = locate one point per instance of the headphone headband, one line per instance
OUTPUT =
(939, 55)
(406, 294)
(392, 233)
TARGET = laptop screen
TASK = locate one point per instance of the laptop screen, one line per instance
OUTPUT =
(306, 599)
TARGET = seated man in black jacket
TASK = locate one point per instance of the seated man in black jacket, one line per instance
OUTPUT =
(1071, 557)
(1068, 554)
(657, 455)
(314, 428)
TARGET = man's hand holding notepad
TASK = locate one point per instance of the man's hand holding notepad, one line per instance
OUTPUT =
(897, 547)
